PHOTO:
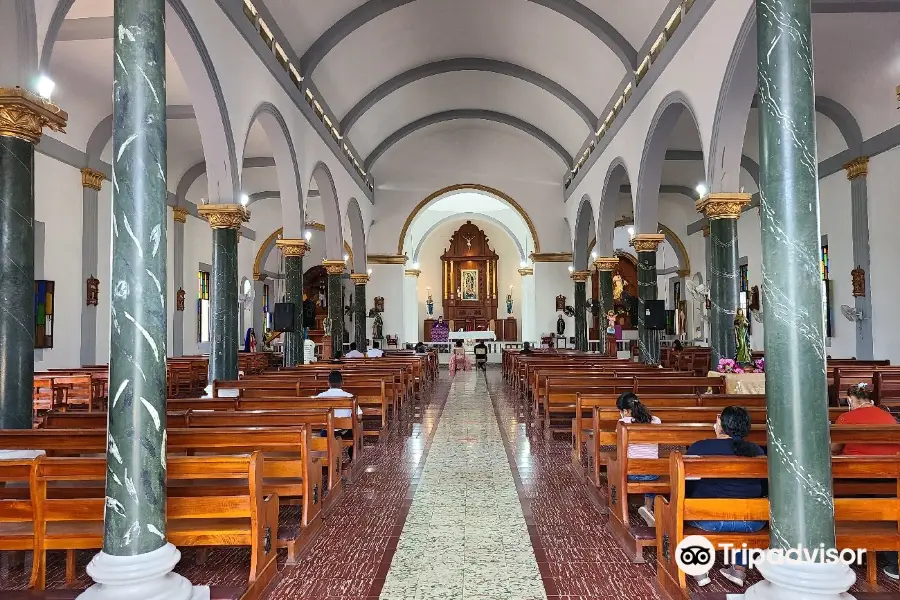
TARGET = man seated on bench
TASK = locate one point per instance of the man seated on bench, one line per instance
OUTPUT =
(335, 381)
(354, 353)
(481, 355)
(864, 412)
(375, 351)
(526, 349)
(732, 427)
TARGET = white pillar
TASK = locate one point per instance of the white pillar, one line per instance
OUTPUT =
(528, 332)
(411, 305)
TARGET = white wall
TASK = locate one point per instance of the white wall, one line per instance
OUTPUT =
(387, 281)
(882, 283)
(550, 280)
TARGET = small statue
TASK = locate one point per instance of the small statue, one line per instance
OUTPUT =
(742, 342)
(619, 284)
(509, 303)
(377, 327)
(560, 326)
(610, 322)
(429, 304)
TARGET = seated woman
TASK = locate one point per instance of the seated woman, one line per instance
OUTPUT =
(458, 360)
(732, 427)
(632, 411)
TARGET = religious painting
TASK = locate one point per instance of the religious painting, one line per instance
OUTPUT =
(469, 280)
(379, 304)
(43, 313)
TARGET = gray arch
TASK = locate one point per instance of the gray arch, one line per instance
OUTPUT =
(331, 211)
(613, 184)
(373, 9)
(357, 236)
(196, 171)
(102, 133)
(452, 65)
(469, 216)
(747, 163)
(468, 113)
(584, 221)
(844, 120)
(227, 172)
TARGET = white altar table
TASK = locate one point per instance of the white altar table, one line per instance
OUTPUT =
(472, 335)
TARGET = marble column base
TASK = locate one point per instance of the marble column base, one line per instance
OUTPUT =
(146, 576)
(798, 580)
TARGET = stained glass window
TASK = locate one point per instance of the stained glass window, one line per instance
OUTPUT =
(202, 306)
(744, 296)
(267, 315)
(43, 313)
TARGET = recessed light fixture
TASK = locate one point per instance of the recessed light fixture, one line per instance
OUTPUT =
(245, 199)
(701, 189)
(45, 87)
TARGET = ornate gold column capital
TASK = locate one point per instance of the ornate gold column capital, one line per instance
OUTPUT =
(858, 167)
(647, 242)
(606, 263)
(723, 205)
(359, 278)
(412, 272)
(179, 214)
(293, 247)
(386, 259)
(334, 267)
(224, 216)
(24, 115)
(92, 178)
(526, 271)
(581, 276)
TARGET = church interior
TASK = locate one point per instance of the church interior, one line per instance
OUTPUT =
(449, 299)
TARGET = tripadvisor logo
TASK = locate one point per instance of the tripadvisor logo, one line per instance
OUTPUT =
(695, 555)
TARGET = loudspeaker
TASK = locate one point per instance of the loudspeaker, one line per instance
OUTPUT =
(654, 314)
(284, 317)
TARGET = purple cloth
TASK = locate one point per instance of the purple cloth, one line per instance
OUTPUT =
(440, 332)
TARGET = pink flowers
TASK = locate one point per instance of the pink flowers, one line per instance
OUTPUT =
(728, 365)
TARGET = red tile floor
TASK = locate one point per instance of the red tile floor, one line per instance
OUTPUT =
(350, 557)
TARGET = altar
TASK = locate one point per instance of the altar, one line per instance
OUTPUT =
(487, 336)
(742, 383)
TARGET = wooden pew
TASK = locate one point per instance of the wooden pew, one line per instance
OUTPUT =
(17, 509)
(199, 511)
(860, 523)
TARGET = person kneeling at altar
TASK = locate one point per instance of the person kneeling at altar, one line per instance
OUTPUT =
(458, 360)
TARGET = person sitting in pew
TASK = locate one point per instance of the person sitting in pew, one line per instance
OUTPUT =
(335, 381)
(421, 349)
(375, 351)
(632, 411)
(526, 349)
(354, 353)
(732, 427)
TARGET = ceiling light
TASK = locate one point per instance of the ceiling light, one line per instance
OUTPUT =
(631, 231)
(369, 271)
(45, 87)
(571, 269)
(594, 255)
(416, 265)
(245, 199)
(522, 264)
(346, 258)
(701, 189)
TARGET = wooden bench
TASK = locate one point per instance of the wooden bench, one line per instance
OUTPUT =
(17, 510)
(211, 501)
(860, 523)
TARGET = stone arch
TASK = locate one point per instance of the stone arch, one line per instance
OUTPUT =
(646, 200)
(331, 211)
(268, 245)
(616, 176)
(290, 188)
(190, 52)
(469, 216)
(681, 253)
(357, 236)
(584, 223)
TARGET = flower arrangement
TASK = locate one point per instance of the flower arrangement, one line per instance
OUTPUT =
(728, 365)
(760, 364)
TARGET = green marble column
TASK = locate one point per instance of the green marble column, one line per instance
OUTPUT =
(802, 506)
(335, 269)
(135, 520)
(19, 132)
(580, 278)
(359, 311)
(224, 337)
(723, 210)
(645, 244)
(294, 251)
(605, 268)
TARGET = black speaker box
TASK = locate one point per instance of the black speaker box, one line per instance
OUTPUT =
(655, 314)
(284, 317)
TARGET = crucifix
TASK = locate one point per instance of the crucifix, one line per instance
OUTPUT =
(468, 241)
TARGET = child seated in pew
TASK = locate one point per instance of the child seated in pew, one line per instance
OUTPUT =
(732, 427)
(632, 411)
(335, 381)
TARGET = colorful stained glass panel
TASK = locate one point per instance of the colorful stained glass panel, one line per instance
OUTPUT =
(43, 313)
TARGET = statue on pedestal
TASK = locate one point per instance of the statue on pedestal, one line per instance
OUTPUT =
(429, 304)
(509, 302)
(742, 340)
(377, 327)
(560, 326)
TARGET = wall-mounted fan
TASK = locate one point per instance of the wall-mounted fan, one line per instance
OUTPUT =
(569, 311)
(851, 313)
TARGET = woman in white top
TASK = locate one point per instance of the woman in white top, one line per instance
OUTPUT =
(632, 411)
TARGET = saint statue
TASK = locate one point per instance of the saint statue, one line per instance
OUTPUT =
(429, 304)
(560, 326)
(377, 327)
(509, 303)
(619, 284)
(610, 322)
(742, 343)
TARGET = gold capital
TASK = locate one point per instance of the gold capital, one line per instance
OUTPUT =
(551, 257)
(606, 263)
(359, 278)
(334, 267)
(224, 216)
(179, 214)
(647, 242)
(293, 247)
(684, 272)
(24, 115)
(92, 178)
(858, 167)
(581, 276)
(412, 272)
(386, 259)
(526, 271)
(725, 205)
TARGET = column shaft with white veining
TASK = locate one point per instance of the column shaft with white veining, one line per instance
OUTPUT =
(723, 287)
(801, 502)
(293, 293)
(581, 339)
(359, 314)
(335, 269)
(224, 341)
(648, 339)
(135, 520)
(605, 267)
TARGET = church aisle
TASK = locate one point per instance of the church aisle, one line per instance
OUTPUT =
(465, 536)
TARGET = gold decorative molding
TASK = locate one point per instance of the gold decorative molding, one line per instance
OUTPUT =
(293, 247)
(647, 242)
(24, 115)
(359, 278)
(684, 272)
(224, 216)
(581, 276)
(556, 257)
(462, 187)
(179, 214)
(526, 271)
(726, 205)
(858, 167)
(260, 276)
(386, 259)
(92, 178)
(334, 267)
(412, 272)
(606, 263)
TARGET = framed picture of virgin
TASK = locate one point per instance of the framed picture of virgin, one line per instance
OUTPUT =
(469, 280)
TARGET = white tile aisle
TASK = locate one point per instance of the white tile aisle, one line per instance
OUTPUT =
(465, 536)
